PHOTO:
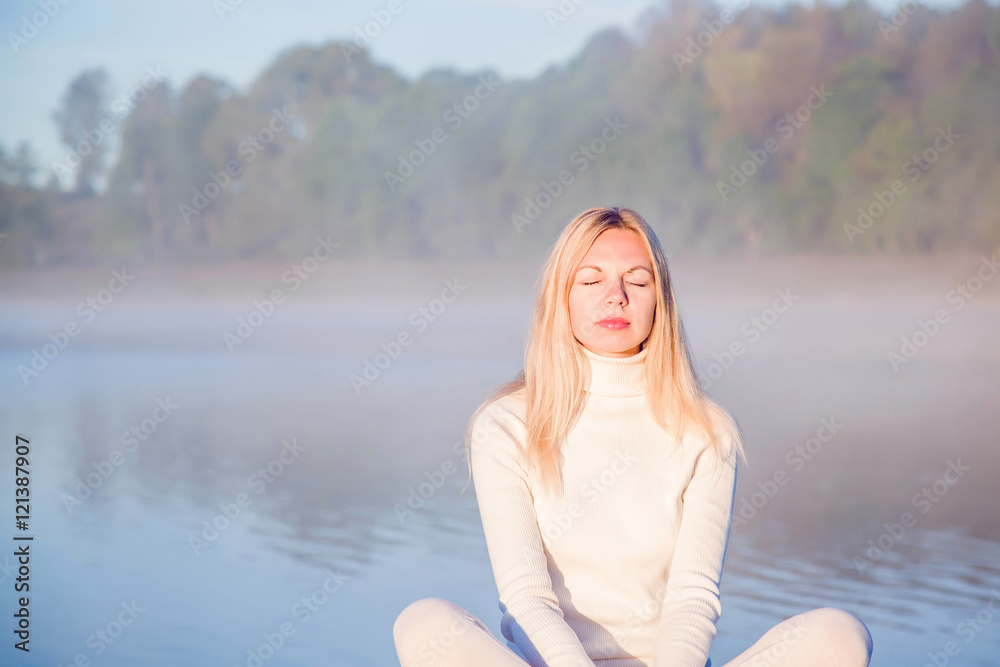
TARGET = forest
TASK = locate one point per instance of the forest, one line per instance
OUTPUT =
(742, 130)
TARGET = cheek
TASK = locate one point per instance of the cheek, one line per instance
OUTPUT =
(580, 310)
(649, 310)
(576, 308)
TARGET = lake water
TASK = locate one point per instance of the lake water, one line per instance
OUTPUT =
(328, 512)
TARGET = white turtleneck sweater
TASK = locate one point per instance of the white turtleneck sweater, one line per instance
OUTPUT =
(624, 569)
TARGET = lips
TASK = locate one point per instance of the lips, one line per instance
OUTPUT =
(613, 323)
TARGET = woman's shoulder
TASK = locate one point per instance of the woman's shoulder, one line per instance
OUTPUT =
(503, 414)
(511, 405)
(499, 432)
(721, 445)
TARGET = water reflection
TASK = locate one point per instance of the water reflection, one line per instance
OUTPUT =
(340, 505)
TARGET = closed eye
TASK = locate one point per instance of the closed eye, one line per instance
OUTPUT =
(636, 284)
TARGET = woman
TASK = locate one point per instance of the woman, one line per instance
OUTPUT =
(605, 479)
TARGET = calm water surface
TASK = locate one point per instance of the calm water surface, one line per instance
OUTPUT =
(141, 547)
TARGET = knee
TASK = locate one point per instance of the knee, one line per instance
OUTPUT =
(421, 615)
(845, 634)
(425, 628)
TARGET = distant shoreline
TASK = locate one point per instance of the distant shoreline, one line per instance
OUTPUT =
(353, 281)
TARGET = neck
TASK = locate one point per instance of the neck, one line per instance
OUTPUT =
(616, 376)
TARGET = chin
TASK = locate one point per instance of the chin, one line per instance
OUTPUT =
(616, 350)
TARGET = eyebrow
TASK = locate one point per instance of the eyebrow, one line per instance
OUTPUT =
(637, 267)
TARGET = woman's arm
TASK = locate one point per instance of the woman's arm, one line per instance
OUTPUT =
(515, 545)
(691, 605)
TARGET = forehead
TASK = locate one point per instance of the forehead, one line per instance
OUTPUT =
(617, 245)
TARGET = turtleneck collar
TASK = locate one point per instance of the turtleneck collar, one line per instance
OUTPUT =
(617, 376)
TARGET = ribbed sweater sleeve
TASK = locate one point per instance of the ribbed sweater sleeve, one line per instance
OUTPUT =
(692, 606)
(514, 543)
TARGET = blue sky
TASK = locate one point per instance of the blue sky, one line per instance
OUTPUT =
(184, 38)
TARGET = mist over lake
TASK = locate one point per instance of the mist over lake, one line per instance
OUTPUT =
(260, 488)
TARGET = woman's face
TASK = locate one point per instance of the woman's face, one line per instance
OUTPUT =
(613, 298)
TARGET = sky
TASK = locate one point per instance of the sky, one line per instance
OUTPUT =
(235, 39)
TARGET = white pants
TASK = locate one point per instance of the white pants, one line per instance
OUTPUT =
(434, 631)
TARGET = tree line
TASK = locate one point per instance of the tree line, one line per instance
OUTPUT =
(731, 129)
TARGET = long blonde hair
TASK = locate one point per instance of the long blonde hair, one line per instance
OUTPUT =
(556, 370)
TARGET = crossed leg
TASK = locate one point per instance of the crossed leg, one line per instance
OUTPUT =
(823, 637)
(434, 631)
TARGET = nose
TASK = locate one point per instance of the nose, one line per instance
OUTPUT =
(616, 293)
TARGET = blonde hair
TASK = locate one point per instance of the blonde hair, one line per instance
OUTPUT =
(556, 371)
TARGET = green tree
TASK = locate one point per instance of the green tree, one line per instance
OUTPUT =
(84, 107)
